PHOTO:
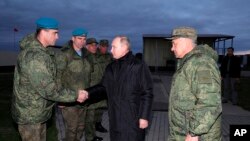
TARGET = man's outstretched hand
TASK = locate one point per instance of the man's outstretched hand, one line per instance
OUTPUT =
(82, 96)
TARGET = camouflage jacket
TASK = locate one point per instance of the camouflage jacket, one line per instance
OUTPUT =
(99, 63)
(104, 60)
(73, 70)
(195, 96)
(35, 88)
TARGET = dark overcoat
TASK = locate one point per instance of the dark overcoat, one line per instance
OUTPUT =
(129, 87)
(234, 68)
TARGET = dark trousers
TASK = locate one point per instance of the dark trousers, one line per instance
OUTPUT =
(230, 91)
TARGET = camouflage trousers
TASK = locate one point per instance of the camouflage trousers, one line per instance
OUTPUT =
(33, 132)
(94, 114)
(230, 85)
(179, 134)
(74, 120)
(98, 115)
(90, 125)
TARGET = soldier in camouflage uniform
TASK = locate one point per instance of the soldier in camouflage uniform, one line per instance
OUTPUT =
(35, 88)
(104, 60)
(74, 70)
(96, 76)
(195, 97)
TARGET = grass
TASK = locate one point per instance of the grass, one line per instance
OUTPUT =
(8, 129)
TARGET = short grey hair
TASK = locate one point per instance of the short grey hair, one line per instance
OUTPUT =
(124, 40)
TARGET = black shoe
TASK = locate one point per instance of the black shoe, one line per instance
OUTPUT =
(100, 128)
(96, 138)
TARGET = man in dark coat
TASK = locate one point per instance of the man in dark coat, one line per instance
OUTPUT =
(129, 87)
(230, 73)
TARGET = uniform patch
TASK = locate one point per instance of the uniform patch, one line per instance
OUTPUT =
(204, 77)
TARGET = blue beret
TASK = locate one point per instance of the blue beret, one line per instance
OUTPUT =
(79, 32)
(47, 23)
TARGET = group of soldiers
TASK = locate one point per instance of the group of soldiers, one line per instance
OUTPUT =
(43, 75)
(81, 72)
(81, 64)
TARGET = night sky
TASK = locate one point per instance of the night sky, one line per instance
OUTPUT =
(108, 18)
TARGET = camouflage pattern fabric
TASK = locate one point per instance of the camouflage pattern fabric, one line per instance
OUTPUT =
(93, 114)
(33, 132)
(195, 97)
(104, 60)
(73, 70)
(74, 73)
(99, 112)
(35, 87)
(99, 63)
(90, 125)
(74, 120)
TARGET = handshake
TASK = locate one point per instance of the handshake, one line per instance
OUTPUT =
(82, 96)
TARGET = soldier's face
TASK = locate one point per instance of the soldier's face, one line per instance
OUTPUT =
(118, 49)
(92, 47)
(78, 41)
(51, 35)
(103, 49)
(179, 47)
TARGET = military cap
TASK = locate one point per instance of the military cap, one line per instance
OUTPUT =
(47, 23)
(184, 32)
(104, 42)
(79, 32)
(91, 40)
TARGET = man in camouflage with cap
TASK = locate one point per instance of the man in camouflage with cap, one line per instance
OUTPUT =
(95, 78)
(104, 58)
(74, 71)
(195, 97)
(35, 87)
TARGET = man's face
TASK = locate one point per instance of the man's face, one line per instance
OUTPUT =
(179, 47)
(92, 47)
(103, 49)
(118, 49)
(230, 52)
(51, 35)
(78, 42)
